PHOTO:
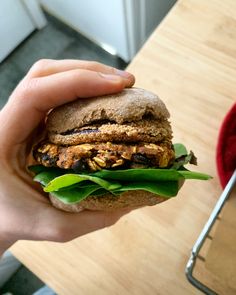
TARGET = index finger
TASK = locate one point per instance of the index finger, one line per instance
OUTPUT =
(33, 98)
(45, 67)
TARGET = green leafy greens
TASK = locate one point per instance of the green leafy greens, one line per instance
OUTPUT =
(72, 188)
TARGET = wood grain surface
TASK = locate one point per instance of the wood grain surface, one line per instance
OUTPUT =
(221, 256)
(190, 62)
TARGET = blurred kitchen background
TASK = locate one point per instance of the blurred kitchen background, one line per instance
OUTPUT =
(107, 31)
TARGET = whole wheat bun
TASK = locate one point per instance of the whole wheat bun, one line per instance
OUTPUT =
(130, 105)
(109, 202)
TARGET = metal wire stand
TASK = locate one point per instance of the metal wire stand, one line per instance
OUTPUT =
(204, 234)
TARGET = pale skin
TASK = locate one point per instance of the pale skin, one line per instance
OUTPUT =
(25, 213)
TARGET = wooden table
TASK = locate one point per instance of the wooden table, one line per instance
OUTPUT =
(190, 62)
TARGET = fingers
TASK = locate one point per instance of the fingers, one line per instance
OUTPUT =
(54, 90)
(34, 97)
(46, 67)
(62, 227)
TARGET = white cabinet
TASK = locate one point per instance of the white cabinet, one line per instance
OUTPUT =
(15, 25)
(103, 21)
(17, 20)
(120, 26)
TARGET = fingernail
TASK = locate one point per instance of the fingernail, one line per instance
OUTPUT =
(109, 77)
(123, 74)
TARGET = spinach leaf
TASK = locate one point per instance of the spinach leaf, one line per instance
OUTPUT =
(46, 176)
(194, 175)
(162, 188)
(70, 179)
(180, 150)
(182, 157)
(71, 196)
(148, 174)
(74, 195)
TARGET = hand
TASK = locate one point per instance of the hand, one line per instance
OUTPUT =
(25, 213)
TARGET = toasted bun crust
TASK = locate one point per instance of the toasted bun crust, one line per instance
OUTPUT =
(127, 106)
(109, 202)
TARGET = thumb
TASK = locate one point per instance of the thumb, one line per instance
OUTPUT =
(64, 226)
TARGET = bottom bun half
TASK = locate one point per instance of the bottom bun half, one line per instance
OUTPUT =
(109, 202)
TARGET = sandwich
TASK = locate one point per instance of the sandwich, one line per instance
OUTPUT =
(110, 152)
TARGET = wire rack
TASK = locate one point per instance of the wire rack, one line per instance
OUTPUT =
(206, 234)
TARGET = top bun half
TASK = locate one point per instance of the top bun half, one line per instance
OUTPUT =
(130, 105)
